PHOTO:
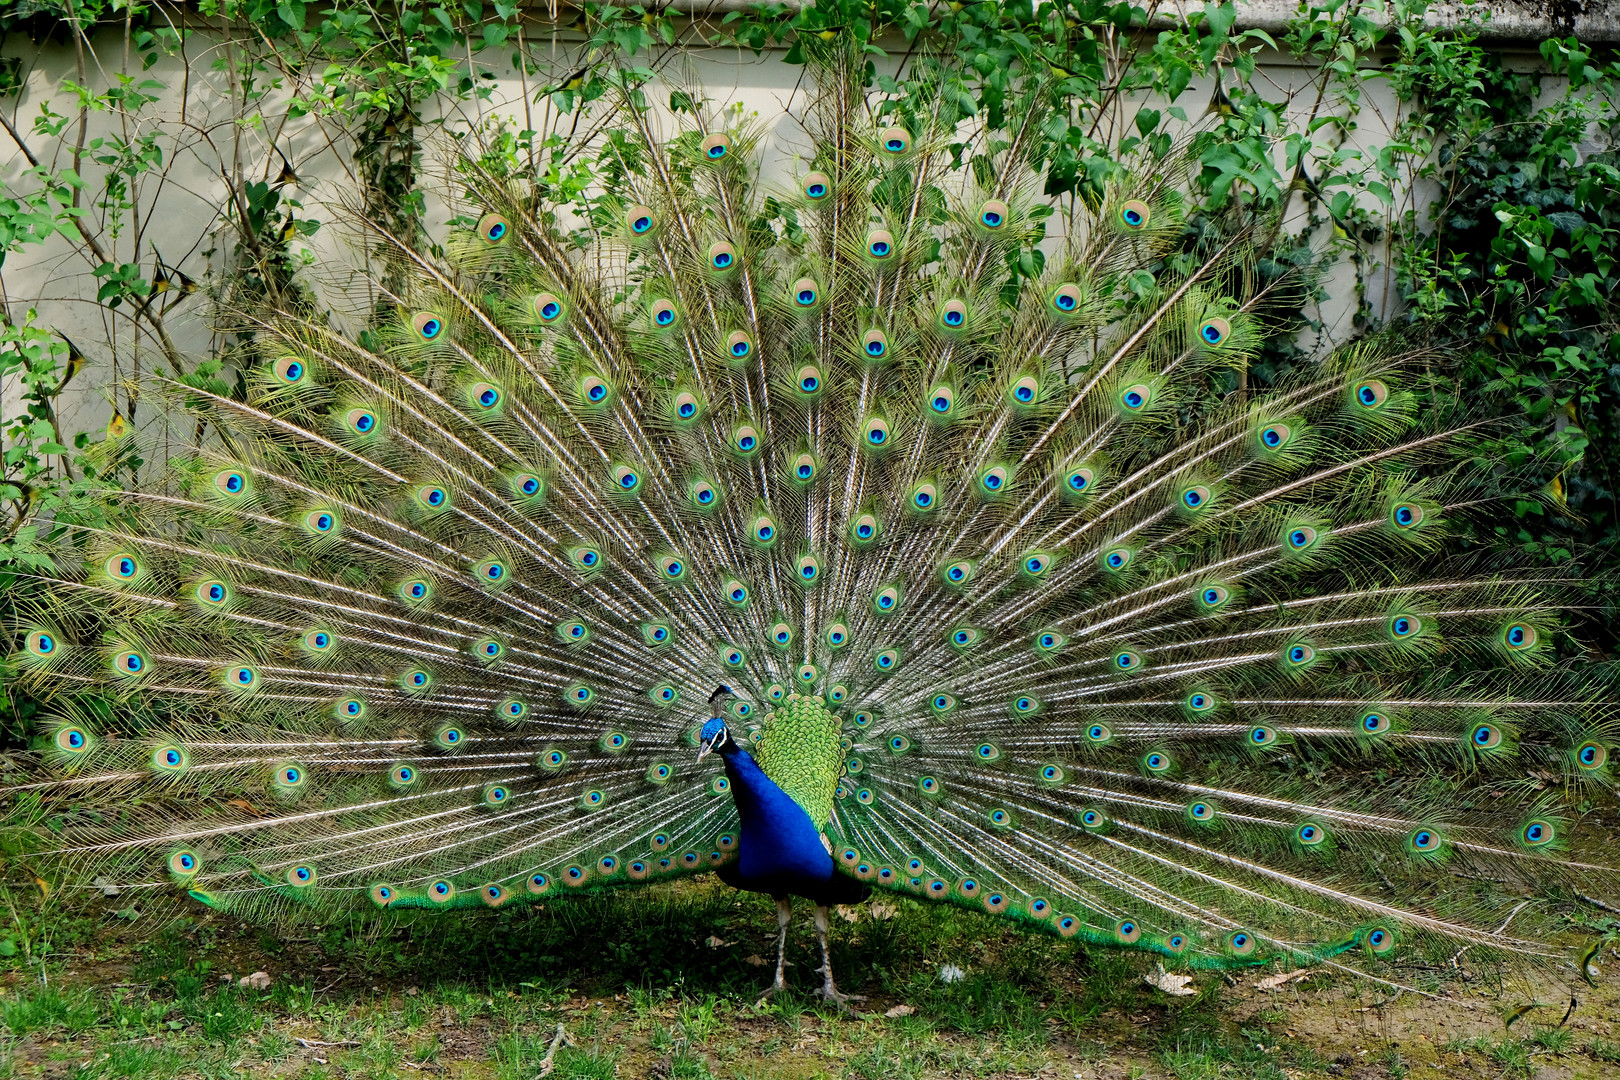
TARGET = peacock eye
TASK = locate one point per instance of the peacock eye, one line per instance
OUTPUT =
(716, 146)
(641, 220)
(547, 308)
(493, 228)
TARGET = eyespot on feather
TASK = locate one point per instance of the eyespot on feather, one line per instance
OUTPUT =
(362, 421)
(231, 483)
(875, 345)
(291, 370)
(1135, 214)
(994, 214)
(641, 220)
(212, 594)
(816, 186)
(953, 314)
(722, 256)
(43, 644)
(880, 244)
(1136, 397)
(1066, 298)
(547, 308)
(493, 229)
(1591, 756)
(1214, 331)
(805, 293)
(1519, 637)
(1078, 483)
(1370, 394)
(662, 314)
(894, 140)
(716, 146)
(1274, 437)
(429, 326)
(1405, 516)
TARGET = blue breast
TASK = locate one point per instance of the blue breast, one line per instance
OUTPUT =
(780, 847)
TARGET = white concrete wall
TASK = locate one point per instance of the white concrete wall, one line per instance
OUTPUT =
(176, 214)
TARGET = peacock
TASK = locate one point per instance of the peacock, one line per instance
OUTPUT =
(773, 528)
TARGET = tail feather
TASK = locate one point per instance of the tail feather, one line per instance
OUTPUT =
(427, 616)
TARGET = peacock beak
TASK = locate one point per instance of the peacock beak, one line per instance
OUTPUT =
(704, 749)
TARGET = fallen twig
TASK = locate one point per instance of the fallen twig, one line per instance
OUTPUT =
(549, 1062)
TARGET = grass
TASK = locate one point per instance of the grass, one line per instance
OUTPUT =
(638, 990)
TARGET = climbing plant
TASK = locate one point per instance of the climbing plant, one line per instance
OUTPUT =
(1516, 259)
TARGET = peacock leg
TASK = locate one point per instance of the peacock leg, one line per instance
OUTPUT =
(829, 992)
(784, 914)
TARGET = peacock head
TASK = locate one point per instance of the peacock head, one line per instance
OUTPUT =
(715, 735)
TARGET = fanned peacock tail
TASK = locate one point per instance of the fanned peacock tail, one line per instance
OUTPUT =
(1016, 606)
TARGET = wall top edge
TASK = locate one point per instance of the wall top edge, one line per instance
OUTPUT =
(1499, 22)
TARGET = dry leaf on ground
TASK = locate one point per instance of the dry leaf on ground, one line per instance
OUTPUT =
(1174, 985)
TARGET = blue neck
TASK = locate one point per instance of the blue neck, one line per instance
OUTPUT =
(780, 847)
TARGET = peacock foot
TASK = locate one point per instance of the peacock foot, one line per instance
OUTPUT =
(777, 987)
(832, 994)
